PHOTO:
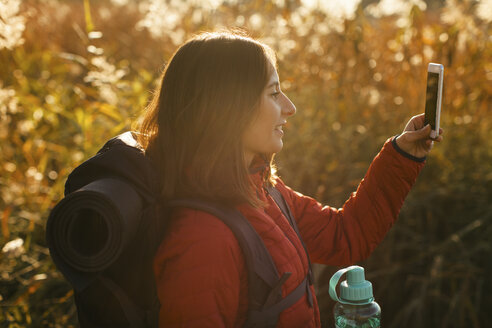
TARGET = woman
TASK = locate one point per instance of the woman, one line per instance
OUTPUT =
(212, 130)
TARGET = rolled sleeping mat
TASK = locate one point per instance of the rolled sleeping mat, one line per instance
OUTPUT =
(89, 228)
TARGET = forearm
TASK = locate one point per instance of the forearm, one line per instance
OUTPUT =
(346, 235)
(375, 206)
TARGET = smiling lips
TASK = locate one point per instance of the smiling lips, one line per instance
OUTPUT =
(279, 128)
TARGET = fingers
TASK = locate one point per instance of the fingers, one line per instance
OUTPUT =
(418, 116)
(425, 131)
(428, 145)
(420, 119)
(416, 135)
(415, 123)
(439, 137)
(416, 138)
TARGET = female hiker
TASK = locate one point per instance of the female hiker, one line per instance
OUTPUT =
(212, 129)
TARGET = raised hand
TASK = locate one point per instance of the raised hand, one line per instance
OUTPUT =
(415, 138)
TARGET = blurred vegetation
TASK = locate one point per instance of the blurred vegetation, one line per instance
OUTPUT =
(75, 73)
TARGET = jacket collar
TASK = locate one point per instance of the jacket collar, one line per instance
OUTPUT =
(258, 171)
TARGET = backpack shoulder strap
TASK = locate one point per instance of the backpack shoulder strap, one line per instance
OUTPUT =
(284, 207)
(133, 313)
(264, 290)
(282, 204)
(262, 273)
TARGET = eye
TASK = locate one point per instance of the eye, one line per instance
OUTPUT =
(275, 95)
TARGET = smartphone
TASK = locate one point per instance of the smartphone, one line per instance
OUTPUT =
(433, 97)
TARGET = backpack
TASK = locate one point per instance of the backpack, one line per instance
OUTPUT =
(100, 242)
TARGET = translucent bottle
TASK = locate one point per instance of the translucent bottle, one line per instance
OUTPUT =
(356, 307)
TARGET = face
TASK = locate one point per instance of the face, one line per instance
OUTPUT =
(264, 134)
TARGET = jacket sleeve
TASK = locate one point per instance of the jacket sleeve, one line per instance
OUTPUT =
(349, 234)
(198, 270)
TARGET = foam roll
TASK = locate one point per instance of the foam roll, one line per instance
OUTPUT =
(90, 227)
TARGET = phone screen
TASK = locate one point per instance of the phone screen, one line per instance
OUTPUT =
(431, 99)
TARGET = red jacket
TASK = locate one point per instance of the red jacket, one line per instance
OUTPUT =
(200, 270)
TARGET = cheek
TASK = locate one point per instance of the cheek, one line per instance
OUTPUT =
(252, 134)
(261, 131)
(271, 113)
(258, 136)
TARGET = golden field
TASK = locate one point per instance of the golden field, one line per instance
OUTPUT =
(75, 73)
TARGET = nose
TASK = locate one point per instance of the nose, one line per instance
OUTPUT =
(288, 108)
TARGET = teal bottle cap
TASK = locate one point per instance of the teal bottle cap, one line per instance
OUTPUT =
(355, 290)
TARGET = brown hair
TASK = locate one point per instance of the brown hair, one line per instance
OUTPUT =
(192, 129)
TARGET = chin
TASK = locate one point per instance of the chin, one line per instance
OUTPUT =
(277, 148)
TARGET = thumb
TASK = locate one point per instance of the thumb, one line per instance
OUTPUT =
(423, 133)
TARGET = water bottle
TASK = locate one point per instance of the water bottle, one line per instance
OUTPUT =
(356, 307)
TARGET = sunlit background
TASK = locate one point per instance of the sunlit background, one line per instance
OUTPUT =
(75, 73)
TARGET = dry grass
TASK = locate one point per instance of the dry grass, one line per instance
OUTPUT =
(355, 83)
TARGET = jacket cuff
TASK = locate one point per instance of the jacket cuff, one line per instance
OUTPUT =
(404, 153)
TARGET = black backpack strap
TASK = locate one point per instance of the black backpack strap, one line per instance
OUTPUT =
(258, 260)
(268, 317)
(284, 207)
(104, 304)
(135, 316)
(282, 204)
(265, 300)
